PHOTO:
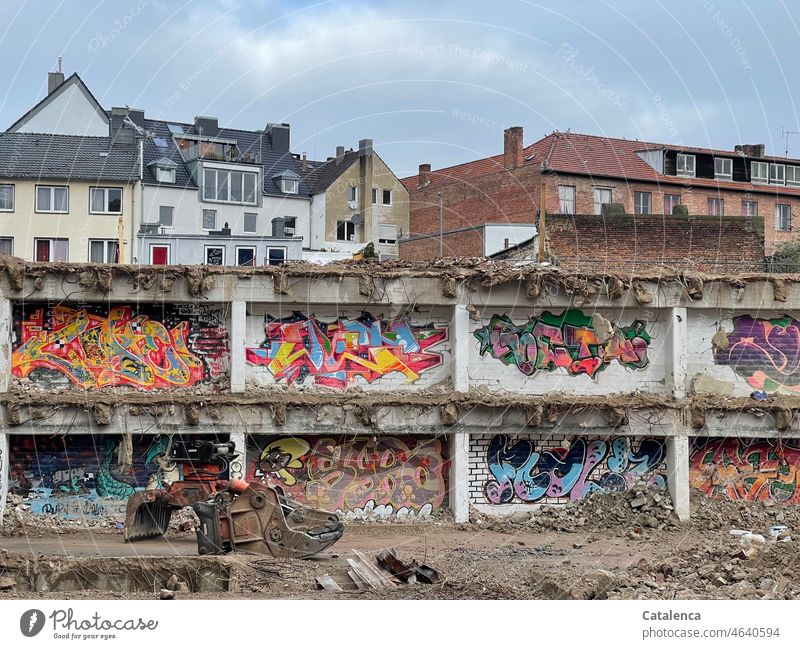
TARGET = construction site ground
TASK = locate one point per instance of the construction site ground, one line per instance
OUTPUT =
(607, 547)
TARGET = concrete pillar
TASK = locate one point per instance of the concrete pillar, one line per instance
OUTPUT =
(459, 475)
(678, 352)
(5, 343)
(238, 342)
(4, 470)
(459, 345)
(238, 466)
(678, 474)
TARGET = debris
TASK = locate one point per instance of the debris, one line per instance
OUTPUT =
(164, 593)
(641, 501)
(327, 582)
(388, 560)
(176, 584)
(426, 574)
(719, 341)
(6, 583)
(368, 572)
(520, 517)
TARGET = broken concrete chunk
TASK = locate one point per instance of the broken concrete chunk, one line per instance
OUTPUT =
(720, 340)
(705, 384)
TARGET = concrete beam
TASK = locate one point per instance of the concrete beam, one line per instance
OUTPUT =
(238, 340)
(678, 358)
(678, 474)
(458, 492)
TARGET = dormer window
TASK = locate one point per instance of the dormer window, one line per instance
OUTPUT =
(723, 168)
(685, 165)
(288, 182)
(163, 170)
(777, 174)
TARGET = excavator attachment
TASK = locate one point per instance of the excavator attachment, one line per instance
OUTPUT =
(260, 520)
(147, 513)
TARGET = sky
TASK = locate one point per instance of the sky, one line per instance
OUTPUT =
(427, 81)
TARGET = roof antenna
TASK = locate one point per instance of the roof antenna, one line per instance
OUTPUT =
(60, 59)
(785, 133)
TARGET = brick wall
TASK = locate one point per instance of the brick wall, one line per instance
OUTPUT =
(463, 243)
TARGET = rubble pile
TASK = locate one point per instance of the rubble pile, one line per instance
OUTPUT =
(19, 519)
(722, 514)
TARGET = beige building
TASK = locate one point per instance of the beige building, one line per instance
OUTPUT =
(356, 200)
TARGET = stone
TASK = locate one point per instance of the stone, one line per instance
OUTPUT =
(166, 594)
(767, 584)
(708, 385)
(636, 503)
(7, 583)
(520, 517)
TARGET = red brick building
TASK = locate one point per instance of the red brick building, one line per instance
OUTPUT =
(581, 172)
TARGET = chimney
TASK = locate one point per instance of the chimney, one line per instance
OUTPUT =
(278, 135)
(512, 147)
(339, 153)
(304, 162)
(279, 227)
(54, 80)
(424, 175)
(208, 126)
(364, 148)
(751, 150)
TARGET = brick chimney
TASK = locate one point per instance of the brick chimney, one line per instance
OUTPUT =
(424, 174)
(512, 147)
(751, 150)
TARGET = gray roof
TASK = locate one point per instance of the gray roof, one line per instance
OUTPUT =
(67, 157)
(328, 173)
(272, 162)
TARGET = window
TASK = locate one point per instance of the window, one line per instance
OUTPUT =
(566, 199)
(290, 186)
(276, 256)
(749, 208)
(209, 219)
(52, 199)
(670, 201)
(783, 217)
(387, 233)
(716, 207)
(6, 198)
(245, 256)
(250, 222)
(215, 255)
(352, 194)
(165, 214)
(345, 231)
(105, 200)
(685, 164)
(602, 195)
(777, 174)
(229, 186)
(758, 172)
(387, 197)
(103, 251)
(7, 245)
(51, 249)
(374, 195)
(159, 254)
(164, 175)
(792, 176)
(290, 226)
(723, 168)
(642, 202)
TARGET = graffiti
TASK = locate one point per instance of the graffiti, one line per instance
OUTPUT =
(585, 467)
(335, 353)
(85, 476)
(766, 353)
(743, 469)
(569, 340)
(360, 476)
(120, 346)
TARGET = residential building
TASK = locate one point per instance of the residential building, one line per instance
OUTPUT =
(205, 194)
(356, 200)
(580, 173)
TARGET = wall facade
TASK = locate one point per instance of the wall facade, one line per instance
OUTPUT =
(408, 394)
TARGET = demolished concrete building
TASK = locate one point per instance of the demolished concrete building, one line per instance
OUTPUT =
(398, 389)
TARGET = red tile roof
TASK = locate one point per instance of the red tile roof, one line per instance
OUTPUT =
(593, 155)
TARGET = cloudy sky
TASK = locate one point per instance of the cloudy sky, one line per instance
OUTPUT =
(428, 81)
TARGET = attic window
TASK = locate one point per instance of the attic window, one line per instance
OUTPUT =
(160, 142)
(164, 175)
(685, 165)
(175, 129)
(289, 186)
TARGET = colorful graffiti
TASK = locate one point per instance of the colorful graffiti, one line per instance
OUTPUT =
(83, 477)
(746, 469)
(362, 476)
(568, 340)
(519, 471)
(335, 353)
(766, 353)
(121, 346)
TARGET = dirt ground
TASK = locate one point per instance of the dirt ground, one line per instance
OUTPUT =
(607, 547)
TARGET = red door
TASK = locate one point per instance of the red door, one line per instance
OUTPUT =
(43, 250)
(159, 255)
